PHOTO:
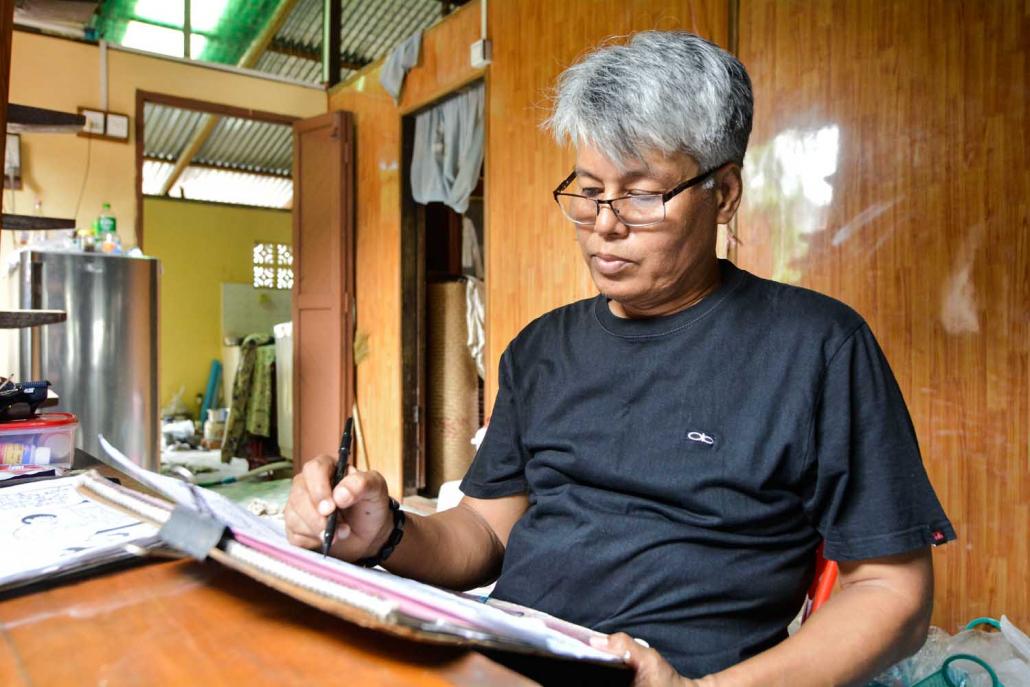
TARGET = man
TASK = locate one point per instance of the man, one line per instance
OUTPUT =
(664, 459)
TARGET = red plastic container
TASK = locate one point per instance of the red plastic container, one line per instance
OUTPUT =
(48, 439)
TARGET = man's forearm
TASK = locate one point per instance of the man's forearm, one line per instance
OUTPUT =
(456, 549)
(860, 631)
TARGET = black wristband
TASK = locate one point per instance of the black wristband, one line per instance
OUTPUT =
(391, 542)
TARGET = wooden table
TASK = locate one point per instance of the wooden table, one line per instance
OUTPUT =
(187, 623)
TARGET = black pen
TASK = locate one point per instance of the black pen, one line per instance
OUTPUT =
(343, 456)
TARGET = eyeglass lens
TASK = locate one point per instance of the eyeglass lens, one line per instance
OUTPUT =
(632, 210)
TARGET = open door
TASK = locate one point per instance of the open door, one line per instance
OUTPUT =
(323, 291)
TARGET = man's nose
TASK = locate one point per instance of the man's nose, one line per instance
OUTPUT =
(608, 223)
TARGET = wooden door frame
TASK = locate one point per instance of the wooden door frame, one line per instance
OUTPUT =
(413, 323)
(344, 123)
(143, 97)
(6, 30)
(413, 296)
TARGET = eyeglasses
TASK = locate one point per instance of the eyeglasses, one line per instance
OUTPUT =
(641, 210)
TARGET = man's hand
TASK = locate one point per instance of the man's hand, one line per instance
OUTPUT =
(365, 520)
(651, 669)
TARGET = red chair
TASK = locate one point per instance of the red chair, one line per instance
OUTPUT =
(822, 584)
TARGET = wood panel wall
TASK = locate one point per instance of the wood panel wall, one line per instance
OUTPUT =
(888, 167)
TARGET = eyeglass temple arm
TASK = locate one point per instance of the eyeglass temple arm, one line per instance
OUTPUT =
(565, 184)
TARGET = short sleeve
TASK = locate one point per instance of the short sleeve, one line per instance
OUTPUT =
(866, 490)
(499, 466)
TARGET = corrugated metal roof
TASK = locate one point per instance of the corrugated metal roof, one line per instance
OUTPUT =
(219, 185)
(167, 130)
(244, 145)
(369, 30)
(243, 160)
(249, 145)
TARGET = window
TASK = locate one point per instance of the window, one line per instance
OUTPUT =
(273, 266)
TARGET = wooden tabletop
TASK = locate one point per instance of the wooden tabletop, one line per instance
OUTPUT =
(187, 623)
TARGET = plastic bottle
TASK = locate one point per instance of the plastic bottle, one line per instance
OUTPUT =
(106, 221)
(107, 231)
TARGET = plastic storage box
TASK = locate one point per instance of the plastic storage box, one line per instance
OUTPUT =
(48, 439)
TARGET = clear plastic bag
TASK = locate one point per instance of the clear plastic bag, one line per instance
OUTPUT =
(1007, 651)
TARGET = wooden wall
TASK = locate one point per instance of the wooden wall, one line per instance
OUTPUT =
(888, 167)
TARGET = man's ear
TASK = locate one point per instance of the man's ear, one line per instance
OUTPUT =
(728, 189)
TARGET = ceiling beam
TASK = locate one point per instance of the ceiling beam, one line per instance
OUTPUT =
(250, 57)
(332, 16)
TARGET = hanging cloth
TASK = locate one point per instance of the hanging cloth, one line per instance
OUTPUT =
(448, 150)
(251, 394)
(398, 62)
(471, 254)
(475, 318)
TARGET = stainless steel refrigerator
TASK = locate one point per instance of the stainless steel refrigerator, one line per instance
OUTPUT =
(102, 361)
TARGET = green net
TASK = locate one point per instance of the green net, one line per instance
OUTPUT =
(221, 30)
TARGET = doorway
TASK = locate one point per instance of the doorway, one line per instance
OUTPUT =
(214, 203)
(442, 298)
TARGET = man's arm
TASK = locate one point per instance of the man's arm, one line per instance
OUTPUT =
(880, 615)
(459, 548)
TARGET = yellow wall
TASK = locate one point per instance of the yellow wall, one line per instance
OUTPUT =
(62, 75)
(200, 246)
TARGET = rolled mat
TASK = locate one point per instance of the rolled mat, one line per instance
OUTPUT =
(452, 401)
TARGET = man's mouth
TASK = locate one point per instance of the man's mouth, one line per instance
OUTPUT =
(608, 264)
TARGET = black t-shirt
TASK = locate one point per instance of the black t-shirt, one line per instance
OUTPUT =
(682, 470)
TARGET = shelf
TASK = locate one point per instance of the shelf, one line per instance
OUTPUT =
(18, 319)
(23, 119)
(34, 223)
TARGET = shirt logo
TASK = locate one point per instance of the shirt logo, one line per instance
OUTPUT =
(701, 438)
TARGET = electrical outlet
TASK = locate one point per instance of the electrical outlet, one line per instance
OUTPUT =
(481, 53)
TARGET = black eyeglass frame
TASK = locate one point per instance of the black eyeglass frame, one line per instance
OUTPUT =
(666, 197)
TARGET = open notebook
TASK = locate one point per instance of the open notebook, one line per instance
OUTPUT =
(49, 532)
(371, 598)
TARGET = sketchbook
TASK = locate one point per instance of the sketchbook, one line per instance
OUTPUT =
(206, 524)
(49, 531)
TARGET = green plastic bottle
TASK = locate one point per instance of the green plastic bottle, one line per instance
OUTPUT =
(107, 223)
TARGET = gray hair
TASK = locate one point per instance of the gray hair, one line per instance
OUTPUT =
(669, 92)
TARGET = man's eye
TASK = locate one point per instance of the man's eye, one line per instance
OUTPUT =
(640, 192)
(590, 192)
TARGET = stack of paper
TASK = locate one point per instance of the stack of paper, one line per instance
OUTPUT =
(48, 529)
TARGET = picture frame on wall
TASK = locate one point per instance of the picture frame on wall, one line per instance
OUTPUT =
(12, 162)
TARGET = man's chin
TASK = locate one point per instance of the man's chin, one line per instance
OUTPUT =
(620, 291)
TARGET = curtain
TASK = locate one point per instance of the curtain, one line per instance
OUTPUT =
(448, 150)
